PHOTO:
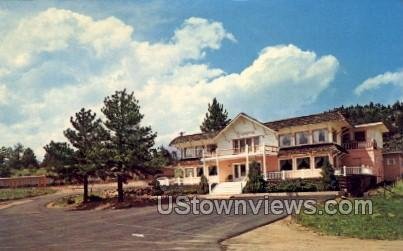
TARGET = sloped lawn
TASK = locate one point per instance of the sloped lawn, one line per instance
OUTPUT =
(386, 222)
(21, 193)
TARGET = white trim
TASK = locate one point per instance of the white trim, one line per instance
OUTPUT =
(246, 117)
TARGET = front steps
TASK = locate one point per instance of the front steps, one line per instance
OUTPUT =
(228, 188)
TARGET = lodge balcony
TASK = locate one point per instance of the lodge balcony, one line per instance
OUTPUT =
(359, 145)
(257, 150)
(316, 173)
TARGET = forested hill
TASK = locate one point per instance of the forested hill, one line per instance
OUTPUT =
(391, 115)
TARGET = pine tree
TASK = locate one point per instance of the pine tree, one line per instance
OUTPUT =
(130, 143)
(256, 182)
(329, 180)
(60, 161)
(216, 118)
(4, 169)
(87, 134)
(28, 159)
(203, 187)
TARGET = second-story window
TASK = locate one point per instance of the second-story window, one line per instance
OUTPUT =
(302, 138)
(359, 136)
(193, 152)
(285, 140)
(239, 145)
(320, 136)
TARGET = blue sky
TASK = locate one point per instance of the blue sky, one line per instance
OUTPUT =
(271, 59)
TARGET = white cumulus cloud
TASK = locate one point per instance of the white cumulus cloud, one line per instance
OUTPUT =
(57, 61)
(387, 78)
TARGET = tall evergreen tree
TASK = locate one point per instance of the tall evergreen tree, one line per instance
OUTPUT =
(4, 169)
(15, 156)
(130, 142)
(59, 159)
(256, 182)
(329, 180)
(216, 117)
(28, 159)
(87, 134)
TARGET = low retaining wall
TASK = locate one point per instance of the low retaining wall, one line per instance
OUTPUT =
(25, 181)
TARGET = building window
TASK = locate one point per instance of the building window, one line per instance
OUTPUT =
(189, 152)
(199, 171)
(321, 161)
(285, 140)
(239, 145)
(211, 148)
(212, 170)
(189, 172)
(243, 170)
(345, 138)
(285, 164)
(302, 138)
(359, 136)
(199, 151)
(303, 163)
(320, 136)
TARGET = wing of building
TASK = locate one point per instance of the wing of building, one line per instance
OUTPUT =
(284, 149)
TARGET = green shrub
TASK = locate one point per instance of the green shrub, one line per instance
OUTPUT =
(298, 185)
(328, 178)
(256, 182)
(203, 185)
(157, 190)
(175, 190)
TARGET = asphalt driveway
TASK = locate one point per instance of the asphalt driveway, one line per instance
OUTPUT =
(31, 226)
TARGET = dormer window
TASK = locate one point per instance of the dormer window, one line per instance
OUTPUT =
(302, 138)
(320, 136)
(285, 140)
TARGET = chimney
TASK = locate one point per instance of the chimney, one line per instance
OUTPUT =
(181, 133)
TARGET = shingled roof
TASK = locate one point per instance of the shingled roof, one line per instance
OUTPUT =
(306, 120)
(324, 147)
(275, 125)
(193, 137)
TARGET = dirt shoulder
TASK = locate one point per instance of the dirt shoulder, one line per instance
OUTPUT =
(286, 235)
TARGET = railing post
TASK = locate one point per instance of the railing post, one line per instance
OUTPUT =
(344, 171)
(247, 159)
(283, 175)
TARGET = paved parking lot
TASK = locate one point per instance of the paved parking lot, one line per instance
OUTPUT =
(31, 226)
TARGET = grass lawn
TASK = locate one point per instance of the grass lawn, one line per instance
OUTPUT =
(386, 222)
(21, 193)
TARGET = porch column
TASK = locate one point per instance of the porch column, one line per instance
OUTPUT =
(205, 171)
(247, 159)
(264, 163)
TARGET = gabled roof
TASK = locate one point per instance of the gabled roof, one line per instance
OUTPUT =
(273, 125)
(244, 115)
(381, 125)
(193, 137)
(306, 120)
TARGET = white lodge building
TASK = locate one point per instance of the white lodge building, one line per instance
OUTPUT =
(285, 149)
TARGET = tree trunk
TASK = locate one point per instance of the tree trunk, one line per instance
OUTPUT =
(120, 188)
(85, 196)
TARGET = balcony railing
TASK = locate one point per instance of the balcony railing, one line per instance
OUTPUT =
(294, 174)
(354, 170)
(250, 150)
(359, 145)
(315, 173)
